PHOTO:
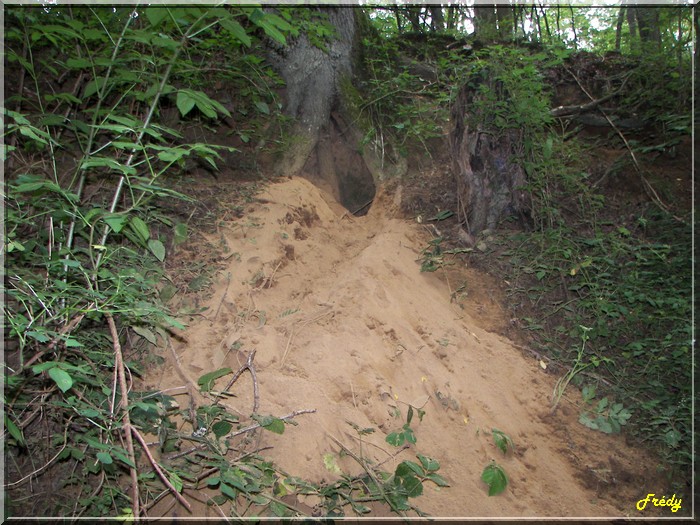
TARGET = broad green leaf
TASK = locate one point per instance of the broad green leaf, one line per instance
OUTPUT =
(140, 228)
(180, 232)
(495, 477)
(438, 480)
(236, 30)
(157, 249)
(429, 464)
(262, 107)
(144, 332)
(62, 378)
(116, 222)
(411, 465)
(408, 434)
(396, 439)
(228, 491)
(156, 15)
(221, 428)
(271, 423)
(206, 382)
(176, 482)
(105, 458)
(14, 430)
(184, 102)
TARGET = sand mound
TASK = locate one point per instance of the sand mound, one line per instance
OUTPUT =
(343, 322)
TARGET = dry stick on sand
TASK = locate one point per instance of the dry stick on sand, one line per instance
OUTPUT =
(249, 366)
(294, 332)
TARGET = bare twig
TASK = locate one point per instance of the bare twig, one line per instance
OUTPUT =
(223, 297)
(157, 468)
(283, 418)
(119, 366)
(249, 366)
(651, 192)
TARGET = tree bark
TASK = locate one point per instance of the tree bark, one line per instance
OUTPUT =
(618, 29)
(323, 146)
(485, 22)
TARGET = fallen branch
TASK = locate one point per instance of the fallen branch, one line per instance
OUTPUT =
(248, 365)
(651, 192)
(121, 377)
(568, 111)
(157, 468)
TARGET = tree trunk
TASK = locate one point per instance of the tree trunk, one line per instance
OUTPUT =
(618, 29)
(323, 146)
(485, 22)
(484, 162)
(648, 23)
(506, 28)
(437, 19)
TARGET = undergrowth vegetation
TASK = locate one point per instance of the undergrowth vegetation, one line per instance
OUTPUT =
(90, 147)
(594, 271)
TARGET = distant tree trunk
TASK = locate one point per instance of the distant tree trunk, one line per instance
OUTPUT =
(452, 14)
(397, 13)
(413, 15)
(437, 19)
(506, 27)
(618, 29)
(324, 145)
(485, 22)
(546, 25)
(573, 28)
(648, 23)
(632, 23)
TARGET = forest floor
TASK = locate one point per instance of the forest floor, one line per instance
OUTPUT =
(344, 323)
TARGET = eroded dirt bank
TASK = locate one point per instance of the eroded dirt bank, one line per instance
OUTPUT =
(343, 322)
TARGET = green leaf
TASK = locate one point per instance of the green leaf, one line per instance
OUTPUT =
(180, 232)
(62, 378)
(236, 30)
(155, 16)
(105, 458)
(228, 491)
(206, 382)
(429, 464)
(184, 102)
(221, 428)
(408, 434)
(144, 332)
(438, 480)
(176, 482)
(409, 416)
(262, 107)
(495, 477)
(413, 466)
(140, 228)
(396, 439)
(14, 430)
(116, 222)
(330, 463)
(271, 423)
(157, 249)
(444, 214)
(501, 440)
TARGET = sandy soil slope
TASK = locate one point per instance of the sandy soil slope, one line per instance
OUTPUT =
(343, 322)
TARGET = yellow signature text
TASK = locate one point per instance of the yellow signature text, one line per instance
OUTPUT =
(672, 502)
